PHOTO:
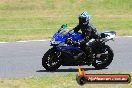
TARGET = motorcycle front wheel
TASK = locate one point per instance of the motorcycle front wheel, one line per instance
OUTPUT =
(51, 60)
(104, 59)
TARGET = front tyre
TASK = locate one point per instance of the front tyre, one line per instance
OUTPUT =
(104, 58)
(51, 60)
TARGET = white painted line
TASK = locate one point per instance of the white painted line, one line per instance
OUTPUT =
(24, 41)
(126, 36)
(4, 42)
(123, 37)
(33, 40)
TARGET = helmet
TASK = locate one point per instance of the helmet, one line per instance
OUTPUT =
(84, 18)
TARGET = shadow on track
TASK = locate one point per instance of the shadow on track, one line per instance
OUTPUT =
(69, 70)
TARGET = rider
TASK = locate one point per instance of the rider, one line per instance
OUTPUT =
(88, 31)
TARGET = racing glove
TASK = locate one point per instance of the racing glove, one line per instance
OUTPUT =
(69, 41)
(76, 43)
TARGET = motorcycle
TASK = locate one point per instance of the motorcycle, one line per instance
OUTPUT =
(65, 54)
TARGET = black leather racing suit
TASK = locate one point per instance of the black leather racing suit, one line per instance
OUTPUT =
(89, 32)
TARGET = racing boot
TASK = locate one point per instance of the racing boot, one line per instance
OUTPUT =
(89, 54)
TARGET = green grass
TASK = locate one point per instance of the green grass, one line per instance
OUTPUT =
(56, 81)
(39, 19)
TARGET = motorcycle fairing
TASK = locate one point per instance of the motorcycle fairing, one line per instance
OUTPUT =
(61, 37)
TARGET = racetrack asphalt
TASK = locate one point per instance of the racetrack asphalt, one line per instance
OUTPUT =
(23, 59)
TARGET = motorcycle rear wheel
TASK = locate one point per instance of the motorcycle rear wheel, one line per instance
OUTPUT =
(51, 60)
(105, 59)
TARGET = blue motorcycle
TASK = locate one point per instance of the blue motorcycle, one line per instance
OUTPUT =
(66, 54)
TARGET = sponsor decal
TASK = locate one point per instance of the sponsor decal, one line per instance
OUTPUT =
(83, 78)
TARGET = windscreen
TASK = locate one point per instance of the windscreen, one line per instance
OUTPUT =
(63, 31)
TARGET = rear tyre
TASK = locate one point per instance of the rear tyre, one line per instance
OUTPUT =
(105, 59)
(51, 60)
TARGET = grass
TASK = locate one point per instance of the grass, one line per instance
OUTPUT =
(40, 19)
(57, 81)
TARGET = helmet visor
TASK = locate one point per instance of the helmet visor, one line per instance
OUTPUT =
(82, 19)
